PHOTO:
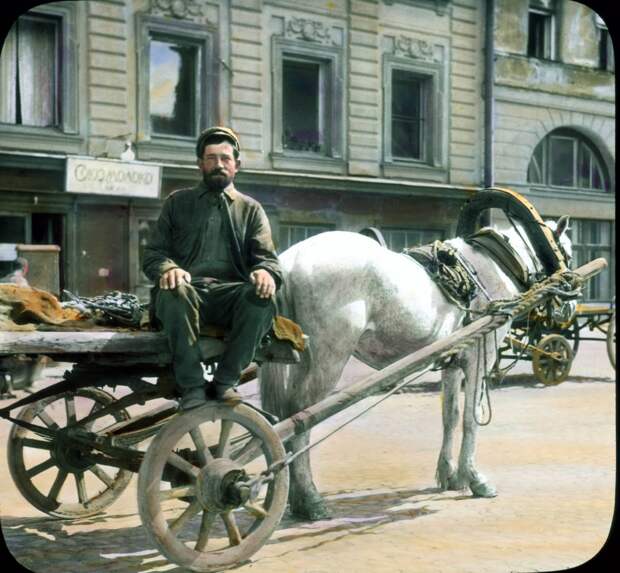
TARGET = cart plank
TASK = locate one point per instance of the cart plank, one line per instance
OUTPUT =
(95, 342)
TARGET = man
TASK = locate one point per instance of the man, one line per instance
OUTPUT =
(212, 260)
(18, 273)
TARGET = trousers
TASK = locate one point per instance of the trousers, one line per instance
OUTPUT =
(232, 305)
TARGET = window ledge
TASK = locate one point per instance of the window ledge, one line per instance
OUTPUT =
(575, 193)
(44, 138)
(303, 162)
(415, 170)
(162, 149)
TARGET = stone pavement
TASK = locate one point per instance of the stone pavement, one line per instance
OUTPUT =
(549, 450)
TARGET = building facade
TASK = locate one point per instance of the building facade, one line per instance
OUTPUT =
(351, 113)
(554, 139)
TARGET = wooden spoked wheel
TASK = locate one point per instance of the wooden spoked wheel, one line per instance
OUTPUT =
(193, 493)
(52, 473)
(552, 359)
(611, 339)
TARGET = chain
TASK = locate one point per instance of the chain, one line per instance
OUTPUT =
(112, 307)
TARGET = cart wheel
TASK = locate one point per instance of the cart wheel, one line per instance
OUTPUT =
(33, 460)
(576, 335)
(611, 339)
(208, 455)
(552, 359)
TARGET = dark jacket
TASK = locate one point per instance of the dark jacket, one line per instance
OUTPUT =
(180, 228)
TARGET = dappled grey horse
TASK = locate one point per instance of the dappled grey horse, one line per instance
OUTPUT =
(355, 297)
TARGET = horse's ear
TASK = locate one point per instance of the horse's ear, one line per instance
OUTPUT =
(562, 225)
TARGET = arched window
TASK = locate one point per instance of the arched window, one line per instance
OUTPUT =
(565, 158)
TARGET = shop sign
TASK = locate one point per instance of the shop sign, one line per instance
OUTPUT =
(111, 177)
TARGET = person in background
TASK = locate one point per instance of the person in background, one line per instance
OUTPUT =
(18, 275)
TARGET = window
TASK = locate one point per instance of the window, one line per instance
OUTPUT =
(408, 115)
(14, 228)
(38, 70)
(303, 105)
(31, 55)
(308, 114)
(592, 239)
(606, 60)
(142, 221)
(174, 68)
(177, 83)
(540, 39)
(415, 104)
(399, 239)
(291, 233)
(565, 158)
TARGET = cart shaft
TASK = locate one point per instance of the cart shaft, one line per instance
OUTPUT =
(309, 417)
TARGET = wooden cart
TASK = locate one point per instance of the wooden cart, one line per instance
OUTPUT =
(552, 345)
(225, 463)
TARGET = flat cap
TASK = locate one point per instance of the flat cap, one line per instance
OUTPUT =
(213, 132)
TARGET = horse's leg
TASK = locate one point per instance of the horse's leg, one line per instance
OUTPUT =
(446, 469)
(473, 367)
(326, 368)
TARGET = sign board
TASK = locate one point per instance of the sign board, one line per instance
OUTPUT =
(111, 177)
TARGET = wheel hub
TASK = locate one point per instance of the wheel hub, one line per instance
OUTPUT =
(68, 455)
(220, 485)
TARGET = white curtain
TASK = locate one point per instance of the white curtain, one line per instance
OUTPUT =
(36, 60)
(8, 69)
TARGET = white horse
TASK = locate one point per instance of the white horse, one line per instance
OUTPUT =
(355, 297)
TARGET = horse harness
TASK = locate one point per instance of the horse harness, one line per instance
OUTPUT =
(456, 277)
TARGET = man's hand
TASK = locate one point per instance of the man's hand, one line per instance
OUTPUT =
(265, 285)
(173, 278)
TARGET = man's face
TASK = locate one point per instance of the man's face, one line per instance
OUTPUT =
(218, 165)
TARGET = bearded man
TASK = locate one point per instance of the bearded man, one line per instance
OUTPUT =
(212, 259)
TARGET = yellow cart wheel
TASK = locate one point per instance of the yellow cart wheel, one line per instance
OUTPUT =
(552, 359)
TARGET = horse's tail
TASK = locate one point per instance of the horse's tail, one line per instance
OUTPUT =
(274, 377)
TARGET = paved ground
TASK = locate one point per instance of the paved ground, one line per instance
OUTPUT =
(549, 450)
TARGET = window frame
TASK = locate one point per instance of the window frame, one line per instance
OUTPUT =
(330, 60)
(437, 233)
(432, 74)
(206, 84)
(549, 40)
(67, 89)
(608, 62)
(324, 100)
(578, 141)
(425, 86)
(291, 225)
(592, 250)
(137, 283)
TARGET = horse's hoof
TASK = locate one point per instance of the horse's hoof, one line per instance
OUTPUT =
(482, 489)
(453, 483)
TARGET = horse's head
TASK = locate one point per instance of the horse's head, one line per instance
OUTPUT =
(560, 228)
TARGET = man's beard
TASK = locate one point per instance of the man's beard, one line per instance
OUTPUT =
(216, 180)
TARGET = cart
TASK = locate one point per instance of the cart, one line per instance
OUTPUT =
(227, 463)
(551, 343)
(590, 319)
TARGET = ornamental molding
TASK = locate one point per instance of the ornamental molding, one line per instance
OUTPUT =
(414, 48)
(309, 31)
(178, 9)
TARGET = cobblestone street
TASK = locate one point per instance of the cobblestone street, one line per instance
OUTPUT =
(550, 451)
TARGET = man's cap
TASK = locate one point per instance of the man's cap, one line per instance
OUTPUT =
(212, 133)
